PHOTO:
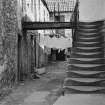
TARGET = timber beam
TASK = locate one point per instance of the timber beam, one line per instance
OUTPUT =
(47, 25)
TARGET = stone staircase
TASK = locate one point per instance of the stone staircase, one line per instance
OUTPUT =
(86, 68)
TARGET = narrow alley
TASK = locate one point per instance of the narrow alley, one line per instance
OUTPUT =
(42, 91)
(52, 52)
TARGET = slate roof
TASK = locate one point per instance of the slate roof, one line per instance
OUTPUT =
(61, 5)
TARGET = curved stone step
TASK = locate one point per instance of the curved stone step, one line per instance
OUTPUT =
(84, 89)
(84, 53)
(87, 55)
(95, 23)
(85, 30)
(88, 44)
(90, 40)
(86, 61)
(91, 28)
(85, 74)
(84, 82)
(88, 49)
(86, 67)
(88, 35)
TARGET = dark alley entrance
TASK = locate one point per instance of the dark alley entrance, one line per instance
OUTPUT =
(58, 55)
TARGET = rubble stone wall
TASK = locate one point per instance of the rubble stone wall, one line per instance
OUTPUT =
(8, 42)
(11, 16)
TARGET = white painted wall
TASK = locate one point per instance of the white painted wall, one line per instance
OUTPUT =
(19, 14)
(68, 32)
(91, 10)
(42, 15)
(30, 12)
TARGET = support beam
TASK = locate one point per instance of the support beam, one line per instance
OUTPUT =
(56, 12)
(47, 25)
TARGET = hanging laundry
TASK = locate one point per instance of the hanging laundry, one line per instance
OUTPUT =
(58, 43)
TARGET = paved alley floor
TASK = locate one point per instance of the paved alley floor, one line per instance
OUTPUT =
(47, 91)
(81, 99)
(43, 91)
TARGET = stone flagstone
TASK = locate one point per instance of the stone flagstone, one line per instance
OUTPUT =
(81, 99)
(36, 98)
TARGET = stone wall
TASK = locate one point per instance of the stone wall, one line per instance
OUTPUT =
(17, 53)
(8, 42)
